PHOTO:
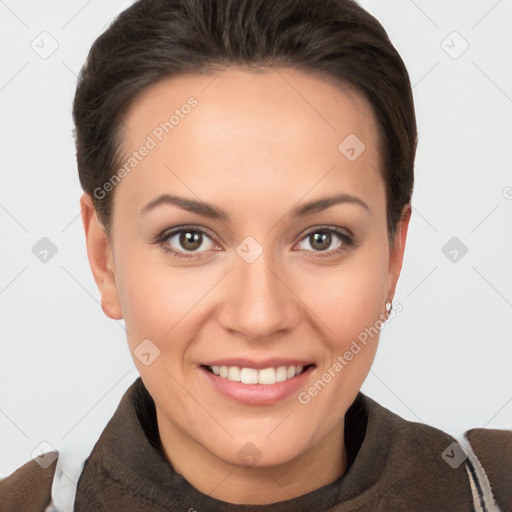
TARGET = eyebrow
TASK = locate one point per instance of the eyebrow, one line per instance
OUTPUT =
(208, 210)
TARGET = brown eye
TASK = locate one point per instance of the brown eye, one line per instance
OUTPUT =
(320, 241)
(327, 240)
(186, 242)
(191, 240)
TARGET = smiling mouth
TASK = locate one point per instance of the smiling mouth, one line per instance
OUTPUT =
(264, 376)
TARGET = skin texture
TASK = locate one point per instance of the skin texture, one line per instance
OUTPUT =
(257, 145)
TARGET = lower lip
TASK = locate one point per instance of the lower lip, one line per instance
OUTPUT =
(257, 394)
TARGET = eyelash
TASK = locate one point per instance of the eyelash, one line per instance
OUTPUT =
(163, 237)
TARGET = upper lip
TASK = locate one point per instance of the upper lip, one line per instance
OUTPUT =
(258, 365)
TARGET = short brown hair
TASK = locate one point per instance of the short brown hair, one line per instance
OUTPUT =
(154, 39)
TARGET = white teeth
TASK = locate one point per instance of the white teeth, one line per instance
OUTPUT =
(252, 376)
(234, 373)
(249, 376)
(281, 375)
(267, 376)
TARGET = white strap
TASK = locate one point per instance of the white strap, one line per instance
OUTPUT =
(483, 498)
(72, 457)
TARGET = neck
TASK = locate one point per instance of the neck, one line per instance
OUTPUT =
(233, 483)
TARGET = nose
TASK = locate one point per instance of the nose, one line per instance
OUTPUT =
(259, 303)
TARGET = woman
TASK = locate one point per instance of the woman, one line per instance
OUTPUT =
(247, 169)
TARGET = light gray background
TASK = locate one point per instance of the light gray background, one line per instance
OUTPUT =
(444, 360)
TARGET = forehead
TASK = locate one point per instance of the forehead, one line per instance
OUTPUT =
(277, 129)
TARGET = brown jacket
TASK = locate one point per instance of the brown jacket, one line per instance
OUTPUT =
(394, 465)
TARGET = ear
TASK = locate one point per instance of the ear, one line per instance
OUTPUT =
(101, 259)
(396, 253)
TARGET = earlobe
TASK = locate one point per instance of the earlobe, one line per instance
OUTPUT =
(396, 255)
(100, 257)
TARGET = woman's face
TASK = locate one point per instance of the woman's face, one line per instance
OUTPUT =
(221, 257)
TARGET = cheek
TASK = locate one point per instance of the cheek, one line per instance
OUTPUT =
(163, 303)
(349, 298)
(153, 295)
